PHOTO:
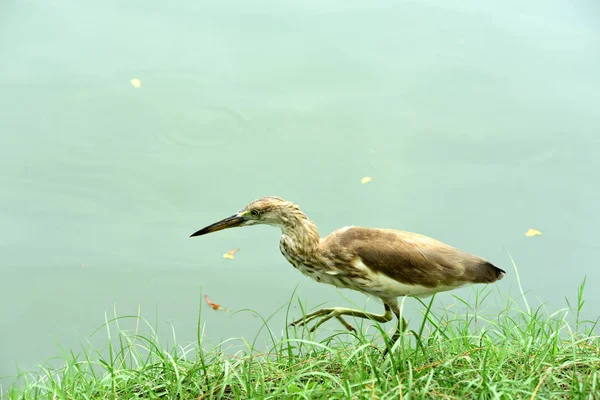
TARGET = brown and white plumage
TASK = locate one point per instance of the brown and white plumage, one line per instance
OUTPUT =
(384, 263)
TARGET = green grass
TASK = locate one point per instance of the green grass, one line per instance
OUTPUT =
(519, 353)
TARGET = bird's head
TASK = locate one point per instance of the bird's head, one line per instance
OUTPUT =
(266, 210)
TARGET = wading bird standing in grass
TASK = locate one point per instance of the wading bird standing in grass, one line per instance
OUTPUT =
(384, 263)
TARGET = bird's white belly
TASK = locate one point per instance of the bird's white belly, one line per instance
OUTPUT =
(375, 284)
(383, 286)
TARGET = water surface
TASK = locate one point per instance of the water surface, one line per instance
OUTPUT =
(475, 121)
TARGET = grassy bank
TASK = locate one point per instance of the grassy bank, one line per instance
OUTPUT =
(517, 353)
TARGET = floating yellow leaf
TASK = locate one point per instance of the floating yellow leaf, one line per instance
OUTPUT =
(230, 253)
(366, 179)
(533, 232)
(136, 83)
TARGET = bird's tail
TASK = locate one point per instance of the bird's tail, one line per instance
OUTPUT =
(490, 273)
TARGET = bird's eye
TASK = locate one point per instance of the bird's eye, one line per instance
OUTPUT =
(254, 213)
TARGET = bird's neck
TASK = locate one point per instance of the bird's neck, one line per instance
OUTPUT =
(300, 235)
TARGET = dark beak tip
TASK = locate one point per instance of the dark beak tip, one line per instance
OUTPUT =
(229, 222)
(197, 233)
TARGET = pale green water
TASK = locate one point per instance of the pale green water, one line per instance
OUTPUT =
(476, 122)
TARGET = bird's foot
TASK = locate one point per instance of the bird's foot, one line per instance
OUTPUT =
(325, 314)
(309, 317)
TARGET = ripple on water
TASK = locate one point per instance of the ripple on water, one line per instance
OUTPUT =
(179, 108)
(194, 109)
(99, 136)
(203, 126)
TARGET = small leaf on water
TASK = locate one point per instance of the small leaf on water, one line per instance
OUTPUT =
(230, 253)
(214, 306)
(136, 83)
(366, 179)
(533, 232)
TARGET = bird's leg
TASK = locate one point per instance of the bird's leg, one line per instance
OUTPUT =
(328, 313)
(402, 324)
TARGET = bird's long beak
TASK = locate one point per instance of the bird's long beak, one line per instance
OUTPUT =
(229, 222)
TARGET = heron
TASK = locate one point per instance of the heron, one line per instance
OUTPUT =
(383, 263)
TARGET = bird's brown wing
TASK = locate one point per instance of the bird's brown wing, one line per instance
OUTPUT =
(409, 258)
